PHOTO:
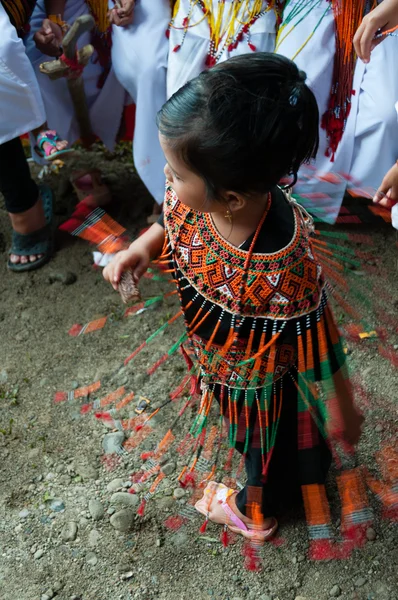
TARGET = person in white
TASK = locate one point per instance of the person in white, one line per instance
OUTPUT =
(139, 59)
(381, 19)
(105, 104)
(370, 141)
(21, 110)
(190, 37)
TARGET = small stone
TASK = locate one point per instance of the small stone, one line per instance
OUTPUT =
(39, 553)
(359, 581)
(64, 277)
(169, 468)
(3, 376)
(58, 585)
(125, 499)
(335, 592)
(91, 559)
(93, 538)
(122, 520)
(127, 575)
(301, 558)
(179, 493)
(96, 509)
(69, 531)
(370, 534)
(87, 472)
(112, 442)
(74, 385)
(294, 560)
(179, 539)
(163, 503)
(24, 513)
(47, 595)
(265, 597)
(300, 598)
(115, 485)
(57, 506)
(379, 428)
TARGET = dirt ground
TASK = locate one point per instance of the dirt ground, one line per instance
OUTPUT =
(55, 541)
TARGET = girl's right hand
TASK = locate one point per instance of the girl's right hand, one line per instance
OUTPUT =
(387, 194)
(136, 259)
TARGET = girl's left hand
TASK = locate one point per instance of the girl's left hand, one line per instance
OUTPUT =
(387, 194)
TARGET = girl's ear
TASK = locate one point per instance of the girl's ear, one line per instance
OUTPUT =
(235, 201)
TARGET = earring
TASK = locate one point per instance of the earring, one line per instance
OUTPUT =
(228, 215)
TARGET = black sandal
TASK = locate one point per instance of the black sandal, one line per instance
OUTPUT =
(37, 242)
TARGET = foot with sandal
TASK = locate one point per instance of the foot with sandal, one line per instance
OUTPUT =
(218, 505)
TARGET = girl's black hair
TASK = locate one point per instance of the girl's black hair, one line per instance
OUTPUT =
(244, 124)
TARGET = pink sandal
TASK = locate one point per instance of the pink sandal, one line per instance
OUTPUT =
(226, 516)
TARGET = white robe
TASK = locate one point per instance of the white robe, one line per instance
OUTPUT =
(21, 105)
(370, 142)
(105, 104)
(189, 61)
(139, 58)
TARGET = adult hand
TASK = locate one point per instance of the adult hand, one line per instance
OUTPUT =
(387, 194)
(122, 14)
(384, 17)
(48, 38)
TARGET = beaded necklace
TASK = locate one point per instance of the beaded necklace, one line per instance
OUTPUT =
(227, 26)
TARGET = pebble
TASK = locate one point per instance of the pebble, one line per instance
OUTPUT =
(180, 539)
(57, 506)
(93, 538)
(122, 520)
(112, 442)
(125, 499)
(91, 559)
(335, 592)
(24, 513)
(115, 484)
(166, 502)
(301, 558)
(96, 509)
(265, 597)
(74, 385)
(179, 493)
(379, 428)
(370, 534)
(64, 277)
(69, 531)
(3, 376)
(169, 468)
(359, 581)
(47, 595)
(39, 553)
(127, 575)
(87, 472)
(58, 585)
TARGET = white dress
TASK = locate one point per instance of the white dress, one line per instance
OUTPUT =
(139, 59)
(187, 57)
(105, 104)
(369, 146)
(21, 105)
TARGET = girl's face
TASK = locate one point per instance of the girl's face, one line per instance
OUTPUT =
(188, 186)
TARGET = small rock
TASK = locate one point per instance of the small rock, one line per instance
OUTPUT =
(115, 484)
(179, 539)
(301, 558)
(265, 597)
(44, 382)
(379, 428)
(33, 453)
(58, 585)
(335, 592)
(359, 581)
(294, 560)
(370, 534)
(87, 472)
(96, 509)
(3, 376)
(47, 595)
(122, 520)
(39, 553)
(179, 493)
(125, 499)
(300, 598)
(169, 468)
(64, 277)
(127, 575)
(24, 513)
(91, 559)
(112, 442)
(166, 502)
(57, 506)
(111, 510)
(93, 538)
(69, 531)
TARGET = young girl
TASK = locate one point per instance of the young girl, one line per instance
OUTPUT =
(252, 292)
